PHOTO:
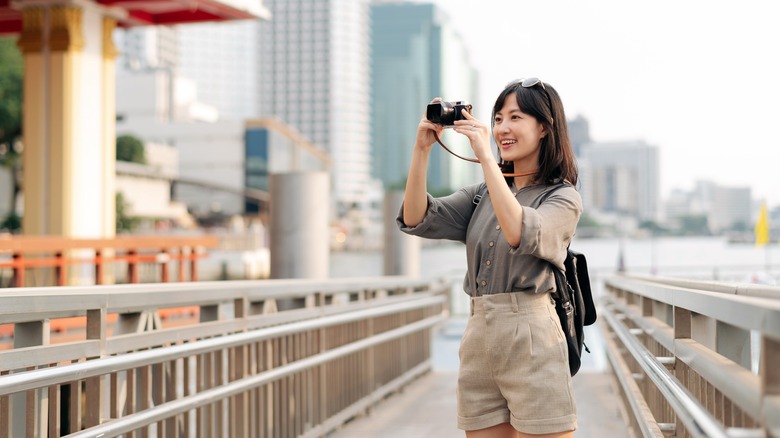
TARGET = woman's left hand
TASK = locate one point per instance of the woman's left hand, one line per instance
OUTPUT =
(478, 134)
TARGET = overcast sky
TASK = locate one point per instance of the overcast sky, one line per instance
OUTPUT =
(699, 79)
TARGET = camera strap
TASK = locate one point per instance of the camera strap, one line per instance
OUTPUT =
(474, 160)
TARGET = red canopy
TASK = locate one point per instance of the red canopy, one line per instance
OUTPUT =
(150, 12)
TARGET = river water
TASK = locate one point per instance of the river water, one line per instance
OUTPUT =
(711, 258)
(704, 258)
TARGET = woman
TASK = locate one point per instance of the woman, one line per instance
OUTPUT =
(514, 378)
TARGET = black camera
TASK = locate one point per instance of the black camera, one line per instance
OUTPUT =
(445, 113)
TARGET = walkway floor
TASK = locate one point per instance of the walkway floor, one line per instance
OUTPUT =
(426, 408)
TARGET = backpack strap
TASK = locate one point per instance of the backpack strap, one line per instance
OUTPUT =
(480, 194)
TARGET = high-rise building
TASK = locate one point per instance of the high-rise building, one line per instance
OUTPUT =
(222, 59)
(621, 177)
(314, 76)
(147, 48)
(416, 55)
(579, 133)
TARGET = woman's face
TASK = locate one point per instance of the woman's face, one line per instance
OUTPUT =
(518, 135)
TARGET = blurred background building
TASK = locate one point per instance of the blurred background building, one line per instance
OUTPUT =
(416, 55)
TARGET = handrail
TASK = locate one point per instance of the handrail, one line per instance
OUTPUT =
(13, 383)
(699, 422)
(149, 416)
(296, 357)
(708, 376)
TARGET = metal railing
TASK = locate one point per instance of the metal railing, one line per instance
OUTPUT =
(694, 359)
(276, 358)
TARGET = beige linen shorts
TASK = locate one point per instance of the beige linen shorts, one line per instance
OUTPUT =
(514, 366)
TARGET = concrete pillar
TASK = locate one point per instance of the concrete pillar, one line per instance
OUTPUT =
(69, 119)
(300, 235)
(402, 252)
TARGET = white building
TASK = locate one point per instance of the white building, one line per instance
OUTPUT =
(146, 188)
(222, 60)
(621, 178)
(314, 76)
(725, 207)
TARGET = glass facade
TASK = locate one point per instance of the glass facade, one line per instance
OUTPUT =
(416, 56)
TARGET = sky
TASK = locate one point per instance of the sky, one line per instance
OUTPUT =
(698, 79)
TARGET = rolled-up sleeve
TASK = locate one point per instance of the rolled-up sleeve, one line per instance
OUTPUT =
(446, 218)
(548, 229)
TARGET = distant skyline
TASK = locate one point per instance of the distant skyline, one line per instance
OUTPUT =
(698, 79)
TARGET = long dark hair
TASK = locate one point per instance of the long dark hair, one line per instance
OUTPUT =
(556, 156)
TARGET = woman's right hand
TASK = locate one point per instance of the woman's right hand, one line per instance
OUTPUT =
(425, 131)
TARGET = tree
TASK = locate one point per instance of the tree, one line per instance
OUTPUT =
(11, 84)
(130, 148)
(124, 223)
(694, 225)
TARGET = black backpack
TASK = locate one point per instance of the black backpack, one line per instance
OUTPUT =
(573, 298)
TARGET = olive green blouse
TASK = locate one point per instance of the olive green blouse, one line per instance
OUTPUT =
(493, 265)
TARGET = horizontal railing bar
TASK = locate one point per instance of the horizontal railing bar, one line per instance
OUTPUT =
(698, 421)
(135, 341)
(737, 383)
(23, 381)
(180, 406)
(636, 401)
(49, 244)
(750, 313)
(64, 301)
(742, 289)
(47, 354)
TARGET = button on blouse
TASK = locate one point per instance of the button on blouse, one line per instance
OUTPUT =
(493, 266)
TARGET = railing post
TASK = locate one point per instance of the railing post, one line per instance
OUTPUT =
(770, 384)
(163, 258)
(61, 269)
(96, 400)
(133, 274)
(29, 410)
(19, 266)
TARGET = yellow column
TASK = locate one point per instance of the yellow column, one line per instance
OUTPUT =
(51, 42)
(32, 44)
(65, 44)
(69, 120)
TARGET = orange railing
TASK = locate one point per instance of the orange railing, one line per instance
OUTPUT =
(35, 252)
(48, 258)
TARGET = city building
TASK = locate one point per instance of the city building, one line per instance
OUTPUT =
(223, 61)
(314, 76)
(146, 188)
(222, 166)
(725, 208)
(579, 133)
(621, 178)
(147, 48)
(416, 55)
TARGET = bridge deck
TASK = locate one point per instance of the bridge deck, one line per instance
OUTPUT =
(426, 408)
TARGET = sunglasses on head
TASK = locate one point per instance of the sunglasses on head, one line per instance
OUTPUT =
(528, 82)
(532, 82)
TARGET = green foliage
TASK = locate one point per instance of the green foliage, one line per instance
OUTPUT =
(11, 80)
(694, 225)
(130, 148)
(124, 223)
(654, 227)
(588, 221)
(12, 223)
